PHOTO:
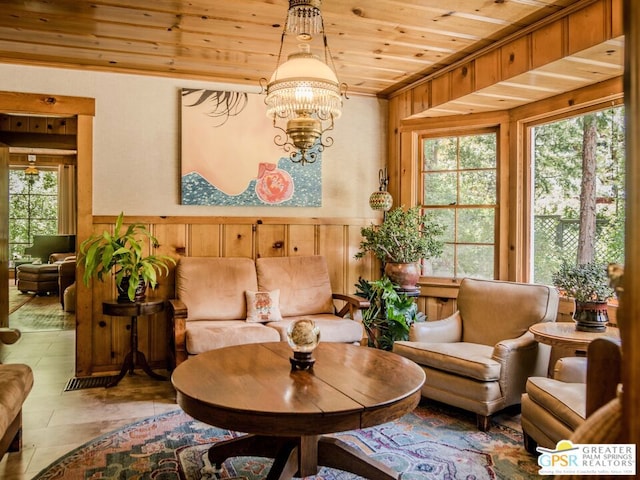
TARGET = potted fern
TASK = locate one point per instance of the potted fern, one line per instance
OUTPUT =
(123, 250)
(588, 285)
(403, 239)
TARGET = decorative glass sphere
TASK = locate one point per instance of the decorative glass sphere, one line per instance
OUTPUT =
(303, 335)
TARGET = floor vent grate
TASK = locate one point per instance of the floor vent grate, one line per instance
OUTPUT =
(79, 383)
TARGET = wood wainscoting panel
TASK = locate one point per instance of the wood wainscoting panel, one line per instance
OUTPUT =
(238, 241)
(204, 240)
(270, 241)
(301, 240)
(337, 240)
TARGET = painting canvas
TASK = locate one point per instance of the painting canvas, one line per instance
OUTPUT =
(228, 156)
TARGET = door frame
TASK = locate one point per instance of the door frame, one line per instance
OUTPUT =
(84, 109)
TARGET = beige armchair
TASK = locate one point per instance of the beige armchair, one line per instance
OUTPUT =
(554, 408)
(479, 358)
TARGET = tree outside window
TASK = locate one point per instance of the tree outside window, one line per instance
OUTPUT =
(459, 185)
(579, 192)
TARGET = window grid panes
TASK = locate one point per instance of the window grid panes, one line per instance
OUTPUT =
(33, 208)
(459, 187)
(557, 164)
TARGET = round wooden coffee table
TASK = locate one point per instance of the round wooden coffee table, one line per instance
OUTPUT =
(252, 389)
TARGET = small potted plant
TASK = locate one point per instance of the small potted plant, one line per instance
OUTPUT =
(588, 285)
(403, 239)
(123, 249)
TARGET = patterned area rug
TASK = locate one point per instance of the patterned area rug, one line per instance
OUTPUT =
(433, 442)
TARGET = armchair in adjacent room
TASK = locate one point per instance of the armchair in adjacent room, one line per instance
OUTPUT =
(66, 278)
(479, 358)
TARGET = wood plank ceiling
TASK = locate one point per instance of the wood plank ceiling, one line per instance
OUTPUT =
(377, 46)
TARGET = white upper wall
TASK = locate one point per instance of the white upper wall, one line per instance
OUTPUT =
(136, 161)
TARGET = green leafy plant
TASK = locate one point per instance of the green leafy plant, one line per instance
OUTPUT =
(123, 250)
(405, 236)
(586, 282)
(390, 314)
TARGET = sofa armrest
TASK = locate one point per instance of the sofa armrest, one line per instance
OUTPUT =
(9, 335)
(352, 305)
(447, 330)
(178, 313)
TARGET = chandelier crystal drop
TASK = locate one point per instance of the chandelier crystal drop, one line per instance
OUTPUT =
(304, 96)
(304, 17)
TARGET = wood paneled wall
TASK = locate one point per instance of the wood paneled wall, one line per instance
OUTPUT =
(337, 240)
(569, 31)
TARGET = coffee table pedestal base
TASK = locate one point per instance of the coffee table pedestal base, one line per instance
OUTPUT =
(302, 456)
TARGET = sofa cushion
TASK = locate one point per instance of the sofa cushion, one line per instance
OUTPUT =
(263, 306)
(204, 335)
(332, 328)
(305, 288)
(213, 287)
(466, 359)
(16, 381)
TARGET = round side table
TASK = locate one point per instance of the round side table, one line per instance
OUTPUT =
(563, 337)
(133, 310)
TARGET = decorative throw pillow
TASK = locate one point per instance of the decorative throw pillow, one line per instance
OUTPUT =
(263, 306)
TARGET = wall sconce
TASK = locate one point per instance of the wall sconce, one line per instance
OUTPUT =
(381, 200)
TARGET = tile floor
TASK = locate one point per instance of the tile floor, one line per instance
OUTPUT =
(55, 421)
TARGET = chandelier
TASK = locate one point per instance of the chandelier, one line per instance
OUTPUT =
(304, 91)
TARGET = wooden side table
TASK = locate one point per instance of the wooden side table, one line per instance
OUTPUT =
(133, 310)
(565, 337)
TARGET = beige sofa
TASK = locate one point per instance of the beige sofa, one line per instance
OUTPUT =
(16, 381)
(209, 310)
(479, 359)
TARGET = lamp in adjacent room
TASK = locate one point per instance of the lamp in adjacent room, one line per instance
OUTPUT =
(304, 91)
(31, 172)
(382, 199)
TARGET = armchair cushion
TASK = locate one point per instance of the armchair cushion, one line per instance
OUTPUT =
(466, 359)
(565, 401)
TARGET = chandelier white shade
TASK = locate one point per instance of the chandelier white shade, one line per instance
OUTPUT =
(304, 91)
(304, 84)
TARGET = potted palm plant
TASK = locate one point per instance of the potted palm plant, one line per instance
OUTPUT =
(403, 239)
(123, 250)
(588, 285)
